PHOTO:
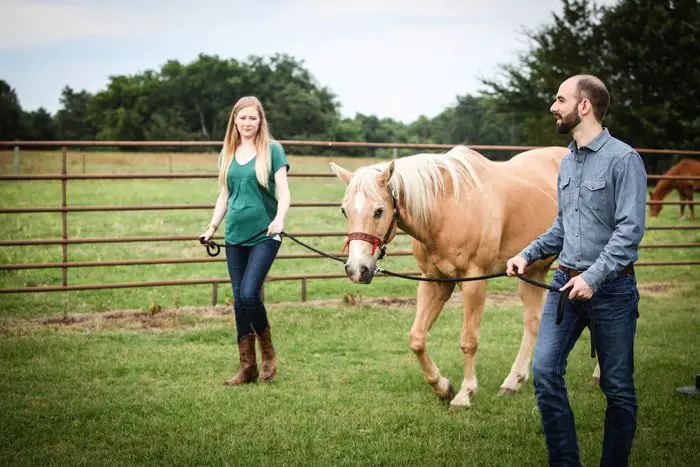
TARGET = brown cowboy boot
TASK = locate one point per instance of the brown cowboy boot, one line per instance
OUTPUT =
(269, 361)
(249, 367)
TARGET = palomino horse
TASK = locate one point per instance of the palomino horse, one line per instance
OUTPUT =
(467, 215)
(685, 188)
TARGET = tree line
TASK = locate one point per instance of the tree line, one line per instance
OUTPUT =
(646, 51)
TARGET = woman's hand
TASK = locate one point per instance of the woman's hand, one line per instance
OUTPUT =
(275, 227)
(207, 235)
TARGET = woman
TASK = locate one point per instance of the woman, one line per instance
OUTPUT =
(251, 168)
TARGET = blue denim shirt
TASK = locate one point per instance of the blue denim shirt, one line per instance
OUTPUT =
(601, 210)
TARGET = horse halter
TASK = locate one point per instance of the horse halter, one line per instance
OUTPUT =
(376, 242)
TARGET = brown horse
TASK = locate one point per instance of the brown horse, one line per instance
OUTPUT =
(467, 215)
(685, 188)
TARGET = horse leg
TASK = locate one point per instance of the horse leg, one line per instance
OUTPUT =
(531, 297)
(683, 198)
(691, 208)
(474, 298)
(431, 298)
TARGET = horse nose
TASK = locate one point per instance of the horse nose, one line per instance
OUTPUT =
(364, 272)
(347, 269)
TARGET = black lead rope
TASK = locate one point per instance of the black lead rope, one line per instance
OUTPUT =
(213, 249)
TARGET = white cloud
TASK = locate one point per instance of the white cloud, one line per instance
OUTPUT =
(39, 22)
(467, 9)
(391, 58)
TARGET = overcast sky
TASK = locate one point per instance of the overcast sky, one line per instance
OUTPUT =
(392, 58)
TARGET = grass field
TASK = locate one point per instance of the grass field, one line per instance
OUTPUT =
(139, 382)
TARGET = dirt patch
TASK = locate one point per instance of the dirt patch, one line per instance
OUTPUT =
(174, 318)
(163, 319)
(658, 289)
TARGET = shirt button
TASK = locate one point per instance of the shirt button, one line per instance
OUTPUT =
(577, 235)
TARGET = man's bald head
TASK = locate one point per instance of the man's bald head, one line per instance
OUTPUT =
(592, 88)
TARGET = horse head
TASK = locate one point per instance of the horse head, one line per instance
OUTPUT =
(371, 208)
(654, 209)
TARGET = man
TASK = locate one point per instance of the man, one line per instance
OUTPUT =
(600, 223)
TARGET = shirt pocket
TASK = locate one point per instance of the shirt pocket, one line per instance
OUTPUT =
(565, 192)
(593, 194)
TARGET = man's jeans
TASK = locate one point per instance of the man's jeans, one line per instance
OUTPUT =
(615, 307)
(248, 266)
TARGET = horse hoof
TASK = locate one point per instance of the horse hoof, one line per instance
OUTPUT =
(451, 393)
(455, 408)
(507, 392)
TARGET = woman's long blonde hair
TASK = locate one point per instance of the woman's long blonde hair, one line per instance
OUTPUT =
(263, 159)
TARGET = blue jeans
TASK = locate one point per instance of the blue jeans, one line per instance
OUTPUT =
(615, 307)
(247, 267)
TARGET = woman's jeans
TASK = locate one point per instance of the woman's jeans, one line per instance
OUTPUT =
(248, 266)
(615, 307)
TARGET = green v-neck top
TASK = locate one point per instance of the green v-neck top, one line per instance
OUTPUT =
(251, 207)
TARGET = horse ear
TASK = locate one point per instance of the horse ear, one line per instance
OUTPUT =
(341, 173)
(385, 175)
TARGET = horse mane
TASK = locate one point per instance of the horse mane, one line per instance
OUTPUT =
(421, 179)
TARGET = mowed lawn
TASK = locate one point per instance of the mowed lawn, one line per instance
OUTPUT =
(133, 376)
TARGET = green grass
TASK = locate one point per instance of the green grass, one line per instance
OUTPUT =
(144, 387)
(146, 390)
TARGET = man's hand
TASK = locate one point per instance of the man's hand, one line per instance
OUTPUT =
(516, 264)
(580, 290)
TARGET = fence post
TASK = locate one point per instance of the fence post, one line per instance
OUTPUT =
(84, 155)
(16, 161)
(214, 293)
(170, 162)
(303, 291)
(64, 225)
(394, 153)
(64, 213)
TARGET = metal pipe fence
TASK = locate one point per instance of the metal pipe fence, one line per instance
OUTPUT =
(65, 265)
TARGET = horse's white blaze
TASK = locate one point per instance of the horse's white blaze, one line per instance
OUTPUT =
(358, 250)
(359, 202)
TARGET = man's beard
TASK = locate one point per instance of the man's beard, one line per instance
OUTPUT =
(568, 123)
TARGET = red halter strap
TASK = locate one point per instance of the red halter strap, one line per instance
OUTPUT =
(375, 241)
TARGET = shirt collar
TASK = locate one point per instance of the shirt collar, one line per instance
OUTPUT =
(595, 144)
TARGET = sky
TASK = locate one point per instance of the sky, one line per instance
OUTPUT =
(395, 59)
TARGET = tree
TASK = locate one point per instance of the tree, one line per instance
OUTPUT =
(38, 125)
(653, 66)
(73, 120)
(525, 90)
(10, 113)
(650, 65)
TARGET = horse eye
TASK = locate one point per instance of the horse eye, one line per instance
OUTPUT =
(342, 210)
(378, 213)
